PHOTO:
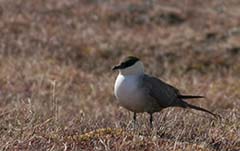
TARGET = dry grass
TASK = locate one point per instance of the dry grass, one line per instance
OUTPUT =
(56, 84)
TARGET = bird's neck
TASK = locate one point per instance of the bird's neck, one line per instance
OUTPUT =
(132, 73)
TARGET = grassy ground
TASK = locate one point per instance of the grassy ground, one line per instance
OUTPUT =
(56, 83)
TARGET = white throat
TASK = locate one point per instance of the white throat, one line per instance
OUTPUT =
(136, 69)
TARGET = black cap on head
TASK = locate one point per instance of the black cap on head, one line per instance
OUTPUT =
(129, 61)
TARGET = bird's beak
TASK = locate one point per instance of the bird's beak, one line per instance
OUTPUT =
(116, 67)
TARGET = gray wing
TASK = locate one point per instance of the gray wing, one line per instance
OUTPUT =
(162, 93)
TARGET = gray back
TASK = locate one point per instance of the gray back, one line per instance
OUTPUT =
(158, 91)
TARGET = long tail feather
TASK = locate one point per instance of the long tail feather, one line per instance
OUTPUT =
(201, 109)
(189, 96)
(184, 104)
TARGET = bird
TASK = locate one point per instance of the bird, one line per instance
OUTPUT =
(139, 92)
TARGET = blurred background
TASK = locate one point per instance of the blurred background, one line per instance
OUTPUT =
(56, 80)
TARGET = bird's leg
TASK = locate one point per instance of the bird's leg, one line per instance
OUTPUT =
(134, 117)
(151, 120)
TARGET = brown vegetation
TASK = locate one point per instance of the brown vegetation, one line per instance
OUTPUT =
(56, 83)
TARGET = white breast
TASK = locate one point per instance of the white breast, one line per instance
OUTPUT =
(127, 92)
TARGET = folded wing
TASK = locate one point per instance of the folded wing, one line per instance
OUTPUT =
(163, 93)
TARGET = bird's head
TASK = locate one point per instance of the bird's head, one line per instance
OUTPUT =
(130, 66)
